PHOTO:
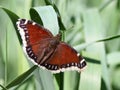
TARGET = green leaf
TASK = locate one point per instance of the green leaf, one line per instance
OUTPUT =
(115, 74)
(104, 5)
(21, 78)
(12, 16)
(93, 29)
(45, 79)
(60, 80)
(113, 58)
(14, 19)
(71, 80)
(48, 16)
(109, 38)
(61, 25)
(3, 88)
(85, 45)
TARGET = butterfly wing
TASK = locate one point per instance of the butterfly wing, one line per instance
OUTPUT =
(65, 58)
(34, 38)
(31, 32)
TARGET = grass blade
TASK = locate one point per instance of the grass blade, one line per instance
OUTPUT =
(21, 78)
(93, 31)
(14, 19)
(12, 16)
(109, 38)
(62, 27)
(47, 15)
(85, 45)
(3, 88)
(105, 5)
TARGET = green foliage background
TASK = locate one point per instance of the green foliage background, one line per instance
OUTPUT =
(92, 28)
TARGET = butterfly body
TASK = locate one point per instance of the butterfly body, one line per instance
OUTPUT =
(47, 50)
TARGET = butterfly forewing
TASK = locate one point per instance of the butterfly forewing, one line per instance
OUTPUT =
(34, 38)
(32, 32)
(37, 51)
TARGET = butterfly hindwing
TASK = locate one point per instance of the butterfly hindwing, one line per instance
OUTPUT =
(65, 58)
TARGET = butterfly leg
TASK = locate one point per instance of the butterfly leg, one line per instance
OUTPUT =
(41, 55)
(44, 56)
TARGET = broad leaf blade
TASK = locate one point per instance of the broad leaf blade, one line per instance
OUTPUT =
(94, 30)
(48, 17)
(14, 19)
(21, 78)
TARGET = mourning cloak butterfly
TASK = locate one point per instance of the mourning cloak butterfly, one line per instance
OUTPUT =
(46, 50)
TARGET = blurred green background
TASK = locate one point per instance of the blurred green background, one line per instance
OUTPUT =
(86, 21)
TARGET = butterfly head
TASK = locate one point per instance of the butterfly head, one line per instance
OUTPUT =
(58, 37)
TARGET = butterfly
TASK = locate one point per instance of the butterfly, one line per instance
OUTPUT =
(46, 50)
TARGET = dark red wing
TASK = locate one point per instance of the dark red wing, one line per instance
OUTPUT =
(34, 37)
(65, 58)
(31, 32)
